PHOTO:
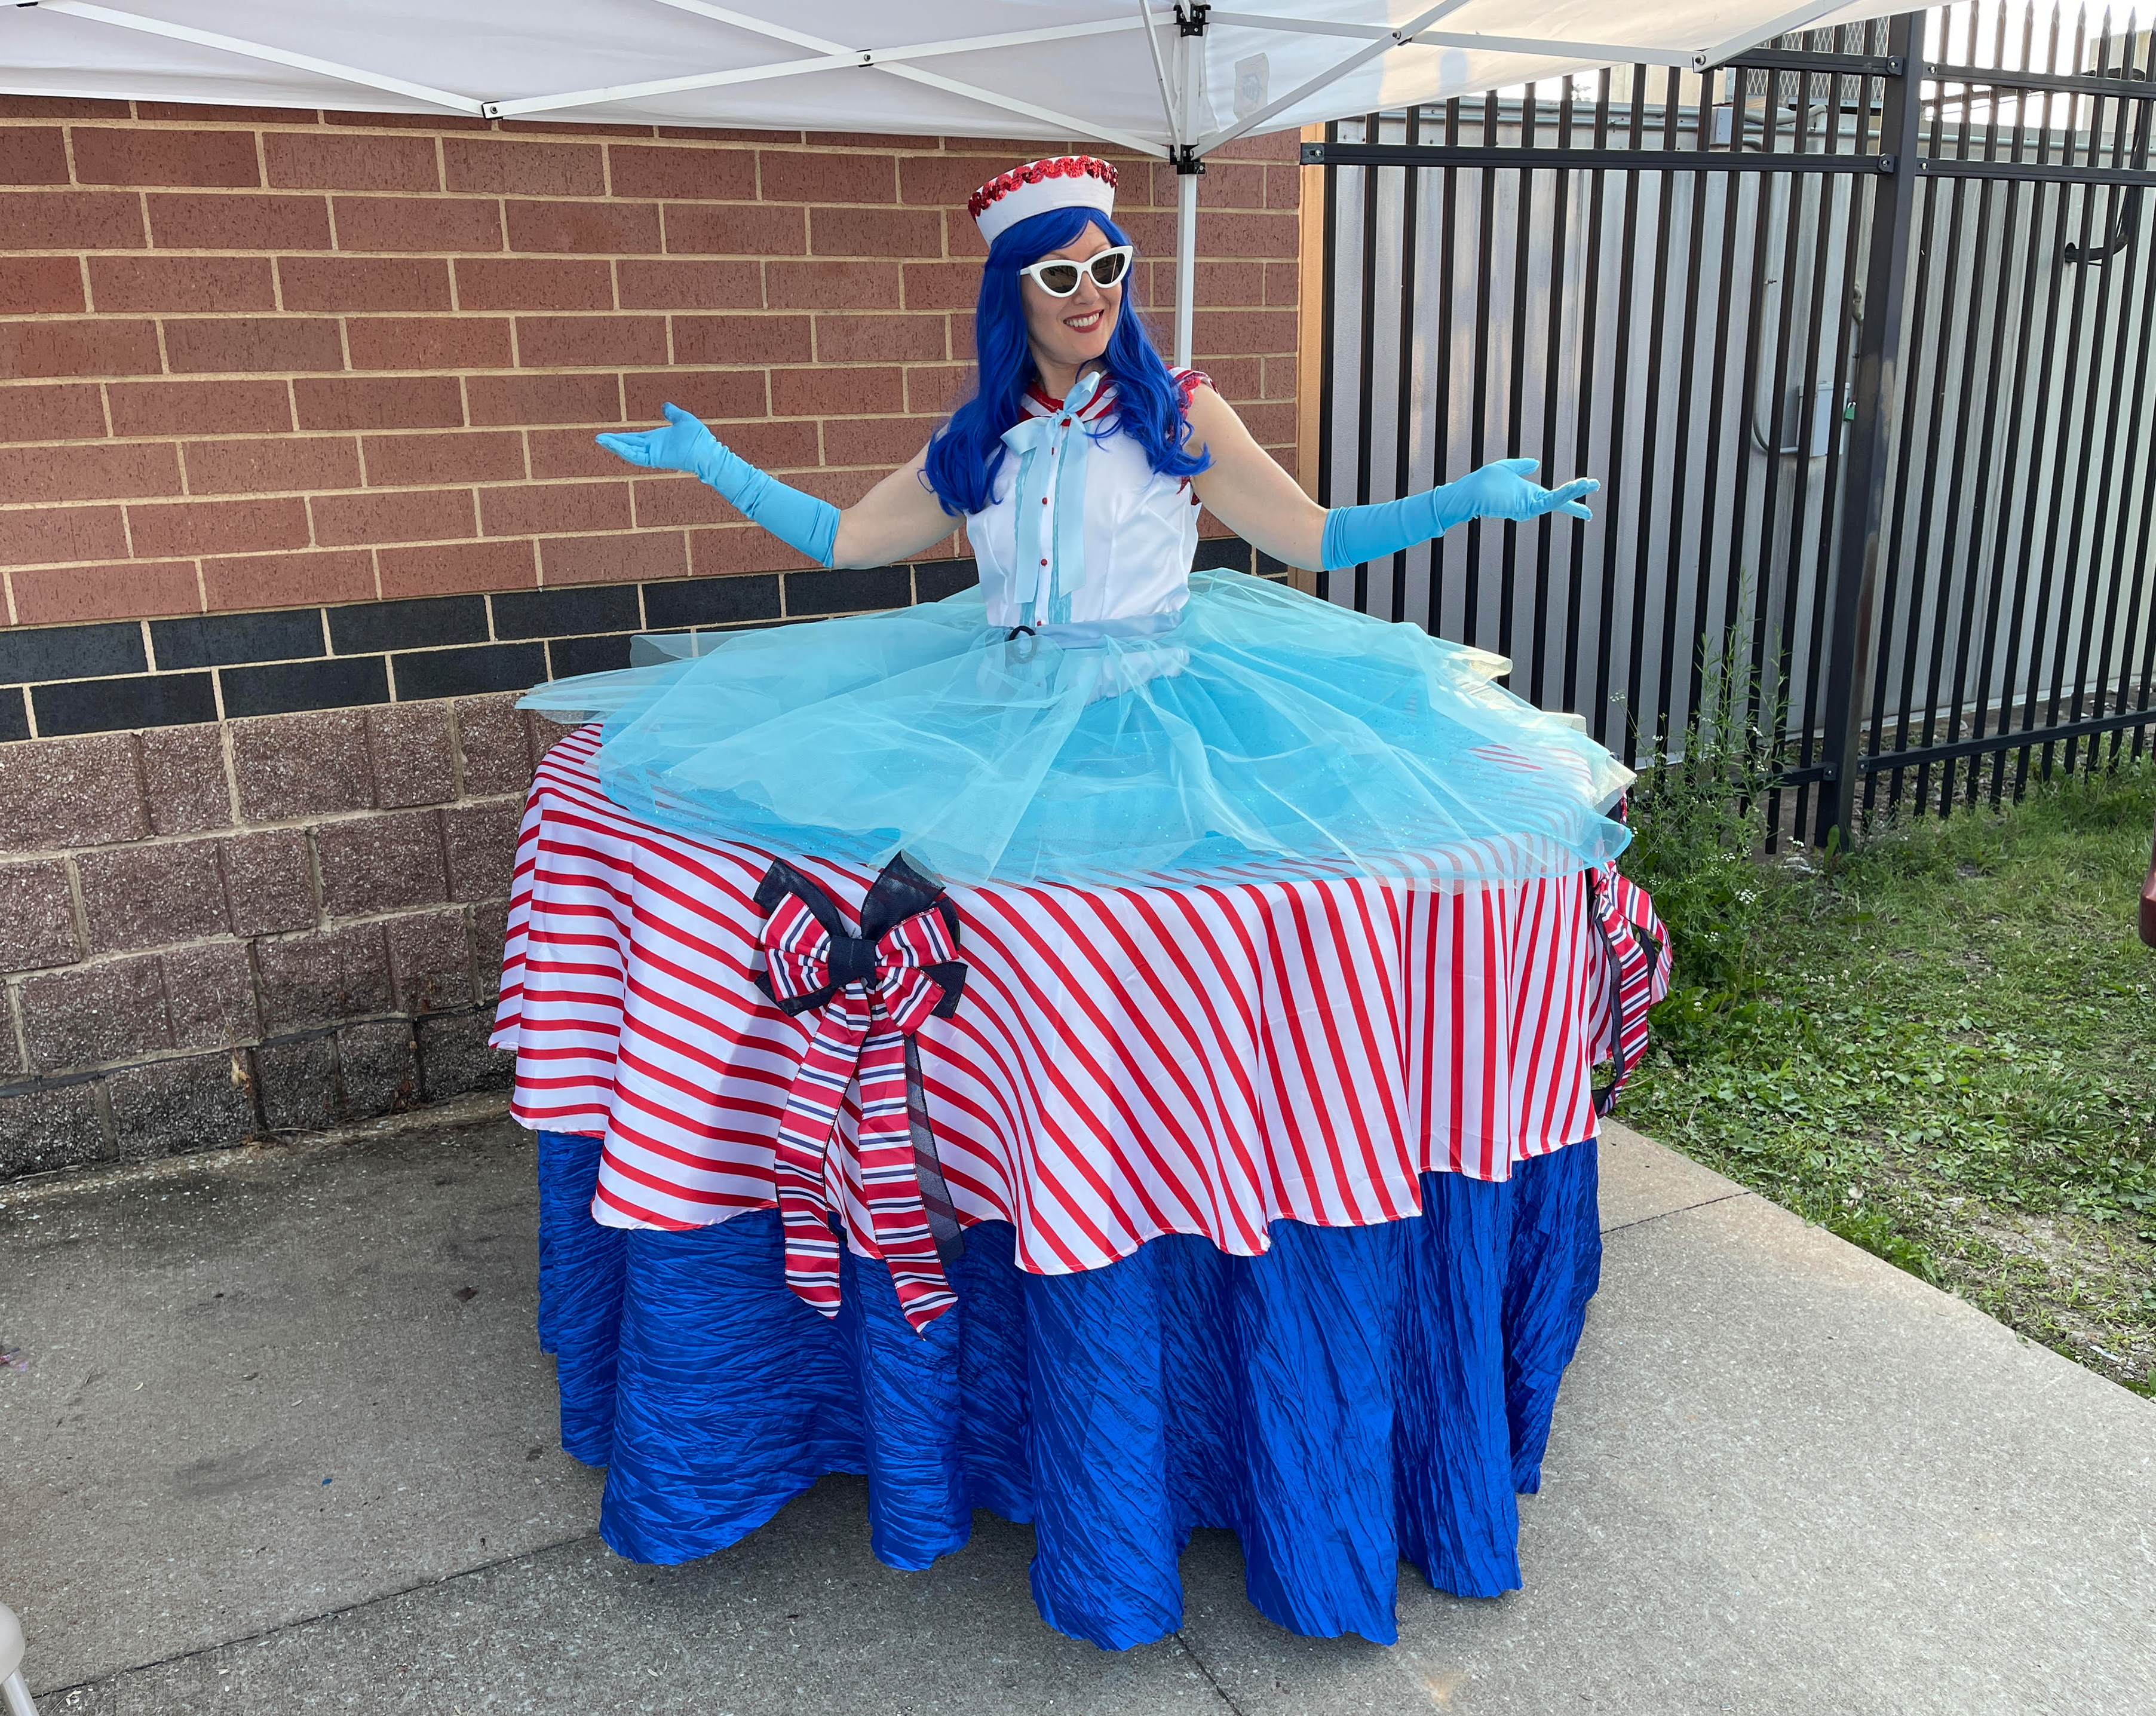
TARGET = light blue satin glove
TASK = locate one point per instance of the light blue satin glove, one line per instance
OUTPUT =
(1502, 490)
(1357, 534)
(800, 521)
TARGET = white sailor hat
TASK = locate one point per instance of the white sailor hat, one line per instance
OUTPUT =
(1066, 182)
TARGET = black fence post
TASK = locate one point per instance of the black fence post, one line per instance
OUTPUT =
(1869, 459)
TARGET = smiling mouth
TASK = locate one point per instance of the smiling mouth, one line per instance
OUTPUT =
(1084, 323)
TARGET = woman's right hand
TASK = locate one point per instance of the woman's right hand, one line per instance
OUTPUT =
(681, 444)
(899, 517)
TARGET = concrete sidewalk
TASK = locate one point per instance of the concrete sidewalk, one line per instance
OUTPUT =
(284, 1442)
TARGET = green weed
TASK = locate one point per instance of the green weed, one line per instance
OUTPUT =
(1942, 1046)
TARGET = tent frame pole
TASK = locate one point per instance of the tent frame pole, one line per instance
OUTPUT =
(1188, 167)
(834, 55)
(1385, 44)
(1190, 23)
(426, 93)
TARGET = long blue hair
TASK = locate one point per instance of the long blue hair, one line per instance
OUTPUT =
(967, 451)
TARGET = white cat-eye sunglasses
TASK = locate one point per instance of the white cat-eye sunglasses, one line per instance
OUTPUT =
(1059, 276)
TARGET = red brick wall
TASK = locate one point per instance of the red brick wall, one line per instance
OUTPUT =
(302, 369)
(253, 359)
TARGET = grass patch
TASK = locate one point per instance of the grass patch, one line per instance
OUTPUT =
(1941, 1045)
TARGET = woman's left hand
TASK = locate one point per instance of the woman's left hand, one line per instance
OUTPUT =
(1261, 503)
(1502, 490)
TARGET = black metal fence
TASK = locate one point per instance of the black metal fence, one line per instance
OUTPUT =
(1856, 330)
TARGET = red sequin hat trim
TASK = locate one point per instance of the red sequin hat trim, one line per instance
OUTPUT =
(1089, 180)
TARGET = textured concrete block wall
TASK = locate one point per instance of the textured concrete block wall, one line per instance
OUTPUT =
(297, 481)
(216, 931)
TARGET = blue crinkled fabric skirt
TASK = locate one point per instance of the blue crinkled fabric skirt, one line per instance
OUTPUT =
(1354, 1396)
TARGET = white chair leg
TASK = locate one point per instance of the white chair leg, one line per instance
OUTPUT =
(12, 1690)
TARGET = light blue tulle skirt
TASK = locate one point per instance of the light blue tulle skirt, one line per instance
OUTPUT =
(1260, 723)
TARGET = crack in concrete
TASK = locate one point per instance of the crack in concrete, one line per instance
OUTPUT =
(1685, 1209)
(1180, 1636)
(1189, 1650)
(352, 1608)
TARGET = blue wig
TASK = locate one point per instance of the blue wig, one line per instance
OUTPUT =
(966, 452)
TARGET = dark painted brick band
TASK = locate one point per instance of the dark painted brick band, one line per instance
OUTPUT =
(96, 705)
(714, 601)
(345, 683)
(946, 578)
(1222, 554)
(421, 623)
(575, 656)
(71, 652)
(218, 639)
(554, 613)
(848, 590)
(84, 679)
(465, 673)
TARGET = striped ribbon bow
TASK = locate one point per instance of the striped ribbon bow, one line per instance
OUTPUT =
(870, 994)
(1624, 913)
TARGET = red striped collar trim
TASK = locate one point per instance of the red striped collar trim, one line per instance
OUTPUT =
(1039, 404)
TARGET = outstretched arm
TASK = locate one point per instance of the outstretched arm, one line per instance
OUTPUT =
(900, 515)
(1247, 489)
(1253, 496)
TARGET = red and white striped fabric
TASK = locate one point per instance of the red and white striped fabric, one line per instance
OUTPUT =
(870, 1005)
(1126, 1061)
(1627, 913)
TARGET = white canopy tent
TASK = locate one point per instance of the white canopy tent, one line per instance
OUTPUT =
(1175, 79)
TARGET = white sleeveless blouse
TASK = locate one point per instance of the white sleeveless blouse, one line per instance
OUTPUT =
(1084, 533)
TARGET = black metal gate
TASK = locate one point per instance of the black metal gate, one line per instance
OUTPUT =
(1856, 329)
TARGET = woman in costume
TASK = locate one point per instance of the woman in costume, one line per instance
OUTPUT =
(1092, 711)
(1093, 714)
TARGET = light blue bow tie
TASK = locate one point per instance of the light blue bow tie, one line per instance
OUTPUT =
(1052, 463)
